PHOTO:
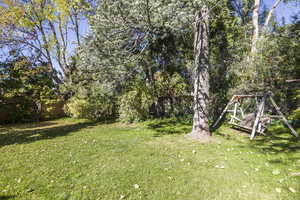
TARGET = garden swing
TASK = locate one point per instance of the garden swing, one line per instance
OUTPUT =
(255, 122)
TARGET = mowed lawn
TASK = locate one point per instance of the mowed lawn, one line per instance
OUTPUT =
(76, 159)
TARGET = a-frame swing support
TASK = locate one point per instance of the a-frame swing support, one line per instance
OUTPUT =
(258, 117)
(258, 126)
(283, 117)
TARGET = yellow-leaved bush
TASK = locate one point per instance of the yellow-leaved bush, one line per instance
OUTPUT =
(134, 105)
(95, 103)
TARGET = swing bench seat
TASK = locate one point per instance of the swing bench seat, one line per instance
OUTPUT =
(244, 128)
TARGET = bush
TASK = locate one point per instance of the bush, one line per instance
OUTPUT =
(135, 104)
(95, 103)
(296, 112)
(27, 91)
(174, 93)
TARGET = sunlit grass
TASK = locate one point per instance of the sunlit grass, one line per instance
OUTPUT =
(72, 159)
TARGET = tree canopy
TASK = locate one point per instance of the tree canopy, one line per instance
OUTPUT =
(138, 61)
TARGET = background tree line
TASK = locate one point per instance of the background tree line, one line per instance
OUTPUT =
(137, 64)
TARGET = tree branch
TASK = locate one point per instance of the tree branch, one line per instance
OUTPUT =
(271, 13)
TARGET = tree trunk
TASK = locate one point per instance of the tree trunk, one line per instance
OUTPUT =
(255, 18)
(271, 14)
(58, 48)
(201, 76)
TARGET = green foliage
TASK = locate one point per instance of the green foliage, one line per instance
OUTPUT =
(226, 44)
(296, 112)
(94, 102)
(169, 95)
(26, 90)
(174, 93)
(134, 105)
(170, 85)
(42, 29)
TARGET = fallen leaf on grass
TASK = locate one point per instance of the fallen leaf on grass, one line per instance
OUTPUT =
(267, 164)
(219, 166)
(295, 174)
(29, 190)
(281, 180)
(292, 190)
(278, 190)
(276, 172)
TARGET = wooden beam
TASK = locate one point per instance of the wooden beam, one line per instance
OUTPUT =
(242, 112)
(293, 81)
(260, 122)
(258, 116)
(283, 117)
(247, 96)
(246, 128)
(224, 112)
(234, 113)
(236, 118)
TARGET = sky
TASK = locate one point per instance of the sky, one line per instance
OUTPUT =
(285, 10)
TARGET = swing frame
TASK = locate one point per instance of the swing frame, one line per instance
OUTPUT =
(259, 125)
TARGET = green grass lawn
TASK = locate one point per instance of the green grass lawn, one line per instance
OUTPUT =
(76, 159)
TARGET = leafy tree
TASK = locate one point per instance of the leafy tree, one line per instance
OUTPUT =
(143, 54)
(137, 44)
(26, 90)
(152, 43)
(44, 28)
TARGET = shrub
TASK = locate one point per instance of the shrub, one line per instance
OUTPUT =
(135, 104)
(296, 112)
(174, 91)
(95, 103)
(25, 90)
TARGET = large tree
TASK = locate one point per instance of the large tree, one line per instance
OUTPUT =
(131, 43)
(201, 75)
(44, 27)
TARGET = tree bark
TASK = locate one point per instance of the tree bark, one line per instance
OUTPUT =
(255, 18)
(201, 76)
(58, 48)
(271, 13)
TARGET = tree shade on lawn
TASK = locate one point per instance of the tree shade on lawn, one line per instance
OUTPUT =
(76, 159)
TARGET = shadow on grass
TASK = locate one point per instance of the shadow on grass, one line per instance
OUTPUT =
(279, 148)
(29, 125)
(9, 136)
(6, 197)
(170, 126)
(278, 140)
(280, 143)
